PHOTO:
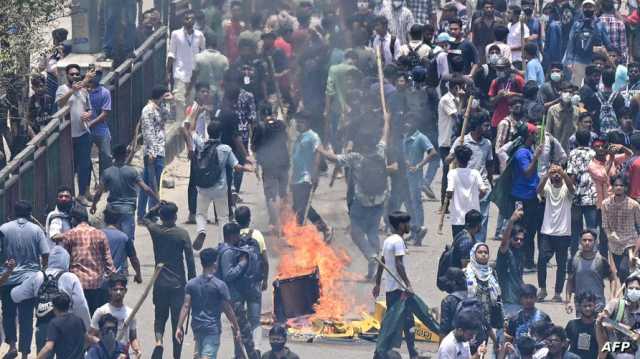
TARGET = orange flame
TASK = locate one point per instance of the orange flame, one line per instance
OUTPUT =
(307, 251)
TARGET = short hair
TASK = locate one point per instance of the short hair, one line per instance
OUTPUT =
(454, 279)
(531, 49)
(214, 129)
(489, 2)
(584, 115)
(620, 178)
(235, 3)
(120, 151)
(592, 70)
(64, 188)
(526, 345)
(634, 139)
(168, 211)
(201, 85)
(517, 229)
(463, 154)
(79, 214)
(111, 216)
(456, 21)
(528, 290)
(476, 120)
(382, 20)
(107, 318)
(208, 257)
(303, 115)
(243, 216)
(586, 297)
(158, 91)
(22, 209)
(472, 218)
(583, 137)
(72, 66)
(278, 329)
(231, 229)
(590, 231)
(501, 32)
(607, 6)
(608, 76)
(117, 278)
(633, 64)
(516, 99)
(61, 302)
(37, 80)
(515, 9)
(466, 320)
(415, 32)
(398, 217)
(559, 332)
(556, 65)
(456, 80)
(351, 54)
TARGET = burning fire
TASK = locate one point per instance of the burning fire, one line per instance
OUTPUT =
(307, 251)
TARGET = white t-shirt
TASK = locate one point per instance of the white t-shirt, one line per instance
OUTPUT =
(446, 109)
(465, 183)
(183, 48)
(392, 247)
(557, 210)
(78, 104)
(120, 313)
(450, 348)
(514, 40)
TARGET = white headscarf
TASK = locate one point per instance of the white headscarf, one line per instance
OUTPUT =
(483, 272)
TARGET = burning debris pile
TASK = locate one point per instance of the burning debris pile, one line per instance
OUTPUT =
(310, 296)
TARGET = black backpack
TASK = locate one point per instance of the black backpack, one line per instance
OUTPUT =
(372, 179)
(444, 263)
(413, 58)
(249, 247)
(48, 290)
(584, 37)
(208, 169)
(432, 79)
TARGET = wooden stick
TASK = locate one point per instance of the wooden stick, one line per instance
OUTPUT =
(138, 305)
(443, 214)
(133, 144)
(465, 122)
(395, 277)
(381, 81)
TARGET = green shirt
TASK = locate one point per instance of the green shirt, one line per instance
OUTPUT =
(211, 65)
(337, 82)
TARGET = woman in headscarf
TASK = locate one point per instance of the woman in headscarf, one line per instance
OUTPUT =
(482, 284)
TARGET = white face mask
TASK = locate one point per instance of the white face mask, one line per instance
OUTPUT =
(397, 4)
(475, 104)
(493, 58)
(633, 295)
(363, 5)
(555, 76)
(566, 97)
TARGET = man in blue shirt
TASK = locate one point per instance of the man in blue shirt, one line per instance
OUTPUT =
(304, 173)
(415, 146)
(100, 99)
(534, 67)
(523, 191)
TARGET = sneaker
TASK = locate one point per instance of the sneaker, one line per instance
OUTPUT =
(199, 241)
(429, 193)
(557, 298)
(542, 295)
(419, 235)
(191, 219)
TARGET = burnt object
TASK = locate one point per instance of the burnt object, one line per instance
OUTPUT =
(296, 296)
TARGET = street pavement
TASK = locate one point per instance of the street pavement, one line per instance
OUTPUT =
(330, 203)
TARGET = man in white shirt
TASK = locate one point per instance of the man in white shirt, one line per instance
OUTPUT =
(514, 39)
(393, 252)
(400, 20)
(184, 45)
(456, 344)
(388, 44)
(448, 110)
(465, 186)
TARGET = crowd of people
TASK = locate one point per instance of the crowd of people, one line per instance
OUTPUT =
(531, 106)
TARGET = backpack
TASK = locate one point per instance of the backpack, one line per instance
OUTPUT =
(608, 118)
(413, 58)
(208, 170)
(249, 247)
(432, 78)
(445, 261)
(372, 179)
(584, 38)
(48, 290)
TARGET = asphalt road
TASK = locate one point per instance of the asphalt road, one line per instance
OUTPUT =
(330, 203)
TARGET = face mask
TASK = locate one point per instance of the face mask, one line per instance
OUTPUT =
(555, 76)
(566, 97)
(544, 18)
(363, 5)
(587, 13)
(475, 104)
(575, 99)
(493, 59)
(566, 19)
(277, 347)
(633, 295)
(397, 4)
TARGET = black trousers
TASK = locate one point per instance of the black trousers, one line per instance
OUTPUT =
(24, 312)
(301, 193)
(533, 214)
(192, 191)
(409, 323)
(550, 246)
(168, 301)
(444, 152)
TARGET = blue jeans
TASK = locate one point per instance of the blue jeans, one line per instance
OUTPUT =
(484, 210)
(82, 161)
(207, 345)
(127, 224)
(415, 200)
(104, 151)
(117, 12)
(590, 214)
(364, 230)
(154, 183)
(432, 169)
(253, 312)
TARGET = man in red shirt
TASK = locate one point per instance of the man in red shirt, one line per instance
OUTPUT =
(283, 42)
(507, 84)
(232, 29)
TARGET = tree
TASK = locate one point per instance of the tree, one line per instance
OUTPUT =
(23, 25)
